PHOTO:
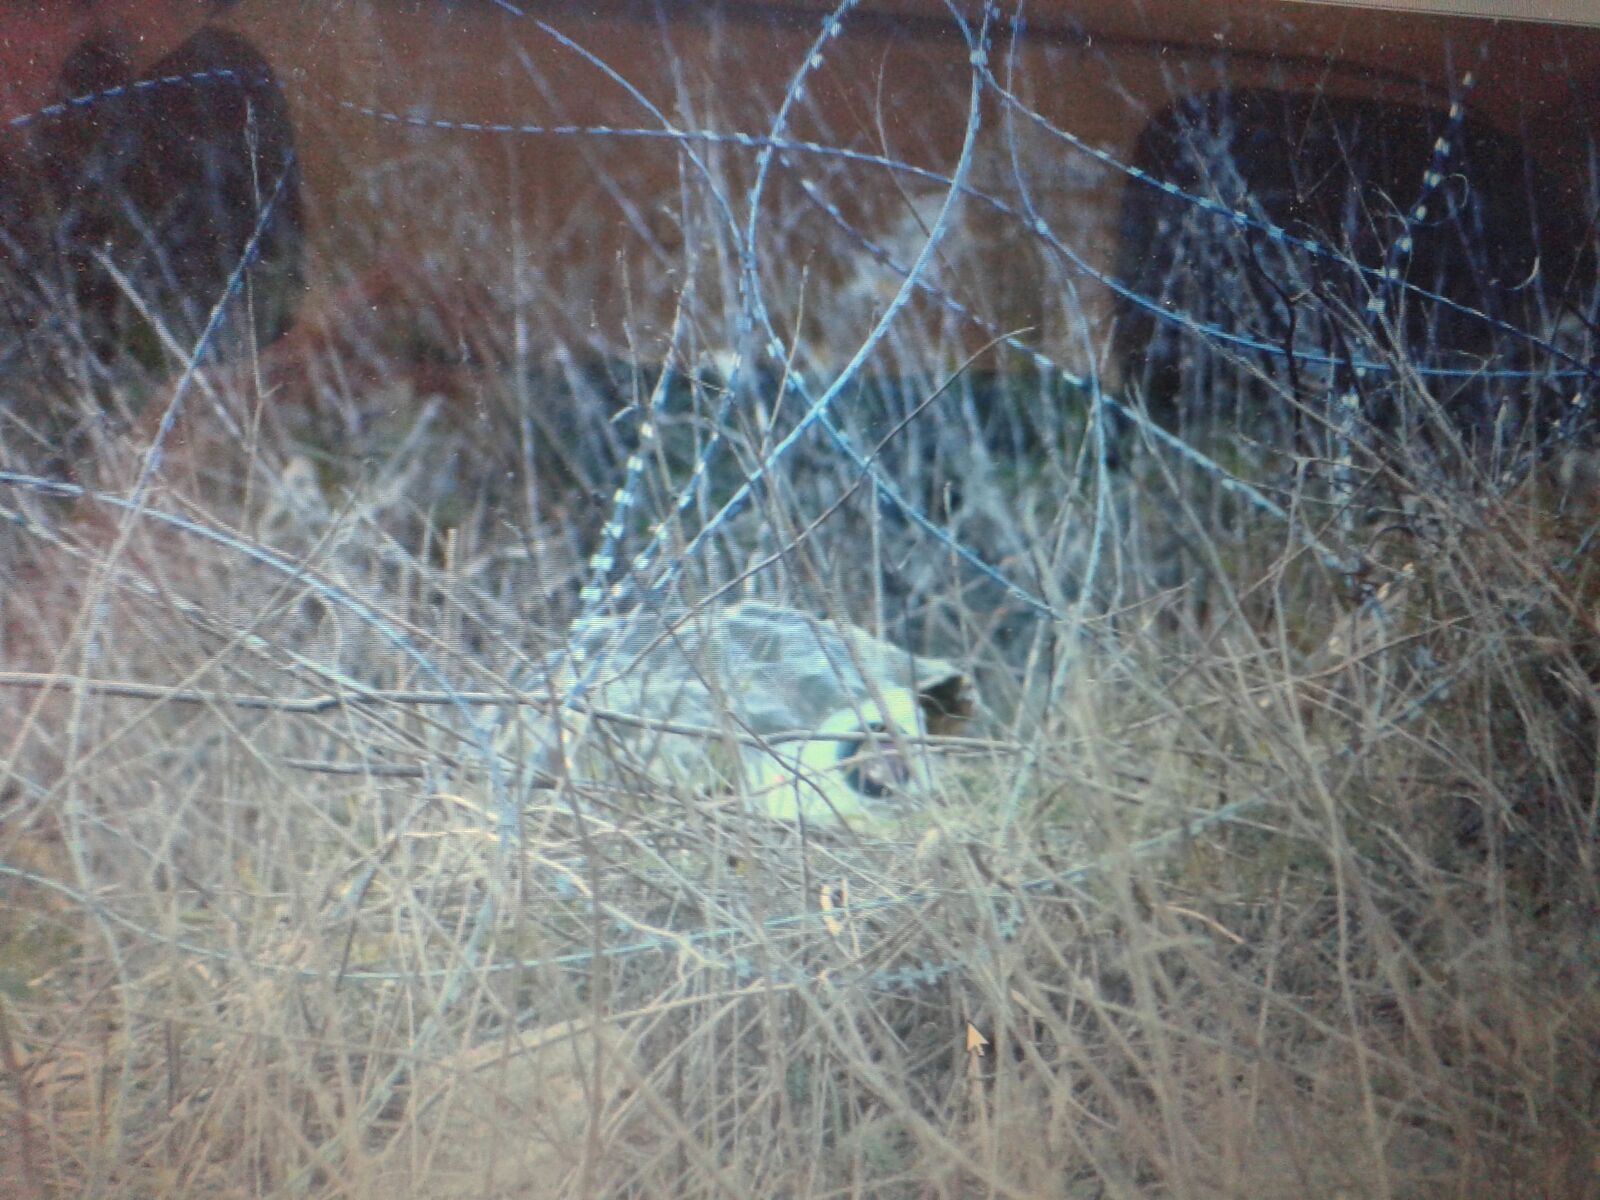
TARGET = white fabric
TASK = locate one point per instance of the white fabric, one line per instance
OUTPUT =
(745, 672)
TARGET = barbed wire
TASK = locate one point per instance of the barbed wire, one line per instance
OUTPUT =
(1385, 276)
(615, 578)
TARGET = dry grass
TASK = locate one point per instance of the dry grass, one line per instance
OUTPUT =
(1259, 878)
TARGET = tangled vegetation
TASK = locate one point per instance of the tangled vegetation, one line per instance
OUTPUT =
(1266, 865)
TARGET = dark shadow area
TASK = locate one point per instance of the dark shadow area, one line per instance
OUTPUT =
(130, 215)
(1442, 243)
